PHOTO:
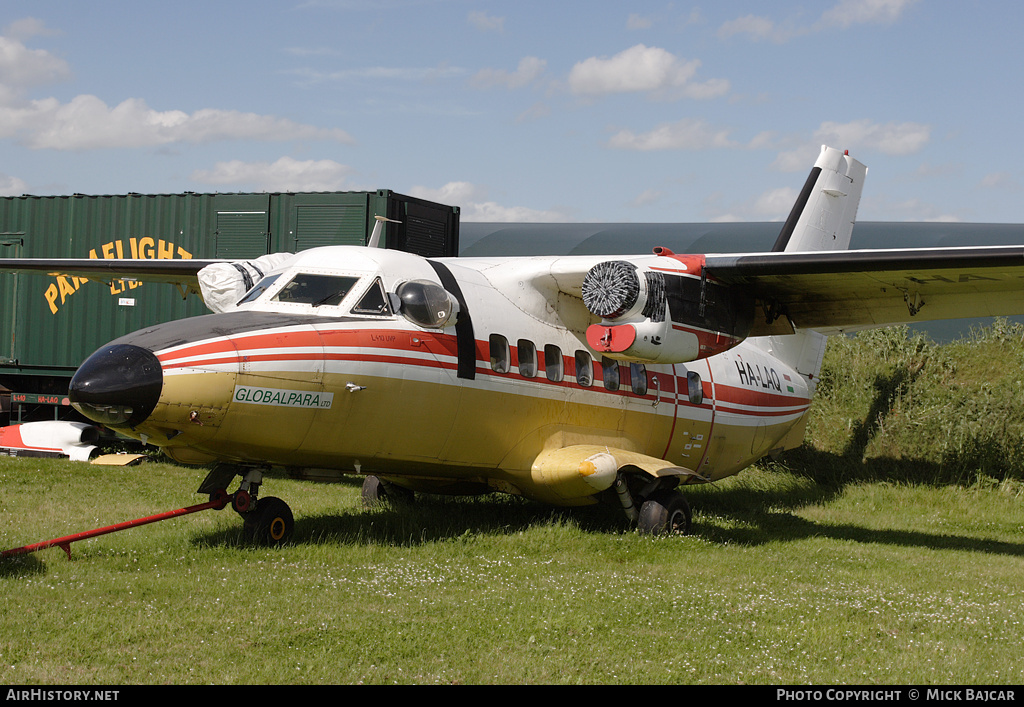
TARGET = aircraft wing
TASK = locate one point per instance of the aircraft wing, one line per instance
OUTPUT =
(838, 291)
(180, 272)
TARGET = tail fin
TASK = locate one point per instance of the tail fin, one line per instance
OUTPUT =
(822, 217)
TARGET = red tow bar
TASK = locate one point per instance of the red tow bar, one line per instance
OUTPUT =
(218, 501)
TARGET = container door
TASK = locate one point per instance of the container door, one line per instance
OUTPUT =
(10, 247)
(242, 228)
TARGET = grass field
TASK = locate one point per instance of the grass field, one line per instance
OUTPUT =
(846, 563)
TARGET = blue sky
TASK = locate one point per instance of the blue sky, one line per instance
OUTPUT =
(525, 111)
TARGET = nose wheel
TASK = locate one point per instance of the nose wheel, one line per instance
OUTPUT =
(265, 521)
(270, 522)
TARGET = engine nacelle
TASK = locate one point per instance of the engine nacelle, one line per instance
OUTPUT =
(663, 310)
(574, 475)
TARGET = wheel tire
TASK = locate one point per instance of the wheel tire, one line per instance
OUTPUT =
(378, 492)
(271, 523)
(665, 513)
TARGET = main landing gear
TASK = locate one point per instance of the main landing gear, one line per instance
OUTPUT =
(662, 509)
(377, 492)
(665, 512)
(265, 521)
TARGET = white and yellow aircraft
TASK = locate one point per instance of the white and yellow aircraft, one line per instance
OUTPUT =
(568, 380)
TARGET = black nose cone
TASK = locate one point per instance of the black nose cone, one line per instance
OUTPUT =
(118, 385)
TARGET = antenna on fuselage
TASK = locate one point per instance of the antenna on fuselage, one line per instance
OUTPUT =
(378, 228)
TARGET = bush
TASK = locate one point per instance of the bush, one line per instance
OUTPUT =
(893, 404)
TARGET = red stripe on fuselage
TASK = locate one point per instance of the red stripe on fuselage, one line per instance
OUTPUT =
(232, 350)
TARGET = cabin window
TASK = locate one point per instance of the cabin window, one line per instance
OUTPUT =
(317, 290)
(261, 287)
(610, 370)
(374, 301)
(553, 363)
(584, 369)
(501, 357)
(527, 358)
(694, 388)
(638, 378)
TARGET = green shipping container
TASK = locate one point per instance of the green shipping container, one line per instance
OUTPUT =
(49, 325)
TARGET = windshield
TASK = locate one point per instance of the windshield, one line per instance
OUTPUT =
(317, 290)
(261, 287)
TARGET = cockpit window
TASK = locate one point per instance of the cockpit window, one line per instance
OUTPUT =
(374, 301)
(261, 287)
(425, 303)
(317, 290)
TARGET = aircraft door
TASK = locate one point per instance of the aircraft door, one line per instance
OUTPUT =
(692, 396)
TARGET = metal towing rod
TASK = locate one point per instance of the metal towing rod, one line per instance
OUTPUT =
(217, 501)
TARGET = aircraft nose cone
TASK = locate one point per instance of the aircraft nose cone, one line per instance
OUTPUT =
(118, 385)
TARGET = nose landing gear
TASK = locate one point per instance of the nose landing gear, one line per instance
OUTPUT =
(269, 523)
(265, 521)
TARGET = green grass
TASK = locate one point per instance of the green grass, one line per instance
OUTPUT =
(785, 581)
(841, 563)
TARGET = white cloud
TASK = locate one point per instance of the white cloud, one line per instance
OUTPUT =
(888, 138)
(858, 136)
(21, 67)
(1000, 180)
(307, 77)
(646, 198)
(686, 134)
(286, 174)
(28, 27)
(452, 193)
(489, 211)
(883, 208)
(12, 186)
(642, 69)
(486, 23)
(474, 205)
(86, 122)
(636, 21)
(855, 12)
(534, 112)
(755, 27)
(529, 70)
(843, 15)
(772, 205)
(798, 159)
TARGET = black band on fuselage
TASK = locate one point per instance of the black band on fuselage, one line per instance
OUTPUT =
(464, 336)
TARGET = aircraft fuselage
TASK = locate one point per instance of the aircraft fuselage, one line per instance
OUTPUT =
(332, 389)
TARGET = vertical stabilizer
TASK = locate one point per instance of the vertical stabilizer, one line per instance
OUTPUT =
(823, 215)
(822, 219)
